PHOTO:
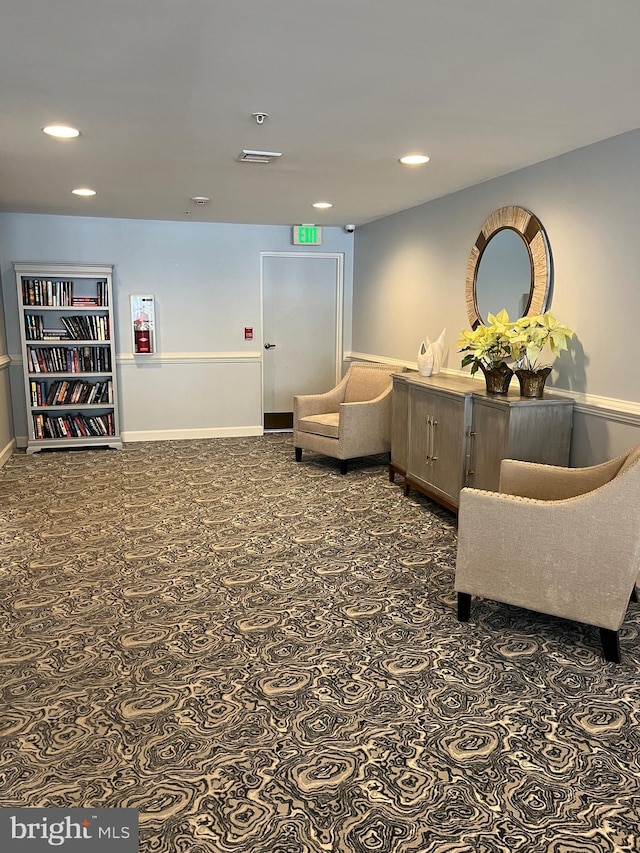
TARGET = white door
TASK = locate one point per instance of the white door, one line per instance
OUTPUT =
(302, 330)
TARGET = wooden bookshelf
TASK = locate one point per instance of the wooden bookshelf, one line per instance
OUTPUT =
(68, 355)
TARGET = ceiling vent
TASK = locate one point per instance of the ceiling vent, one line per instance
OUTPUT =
(247, 156)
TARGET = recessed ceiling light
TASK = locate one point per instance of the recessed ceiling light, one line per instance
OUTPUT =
(61, 131)
(322, 205)
(83, 191)
(414, 159)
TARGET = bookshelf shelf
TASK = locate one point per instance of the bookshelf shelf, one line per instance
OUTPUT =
(62, 309)
(58, 406)
(53, 375)
(68, 355)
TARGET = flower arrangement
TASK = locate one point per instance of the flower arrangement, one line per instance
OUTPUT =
(521, 341)
(487, 346)
(530, 336)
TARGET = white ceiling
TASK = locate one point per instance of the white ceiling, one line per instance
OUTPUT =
(163, 92)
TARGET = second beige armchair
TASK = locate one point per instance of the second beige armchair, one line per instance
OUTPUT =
(561, 541)
(351, 420)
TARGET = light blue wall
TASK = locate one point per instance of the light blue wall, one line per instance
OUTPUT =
(206, 379)
(408, 282)
(410, 269)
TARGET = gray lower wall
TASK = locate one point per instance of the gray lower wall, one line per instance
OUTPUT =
(206, 380)
(410, 269)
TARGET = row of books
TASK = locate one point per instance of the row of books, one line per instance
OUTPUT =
(57, 293)
(64, 392)
(69, 359)
(87, 327)
(90, 327)
(72, 426)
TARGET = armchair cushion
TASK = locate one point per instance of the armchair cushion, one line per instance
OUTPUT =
(321, 424)
(366, 384)
(553, 483)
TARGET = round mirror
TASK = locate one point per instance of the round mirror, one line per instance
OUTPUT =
(509, 267)
(504, 269)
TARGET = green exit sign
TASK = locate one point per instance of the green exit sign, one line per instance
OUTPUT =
(307, 235)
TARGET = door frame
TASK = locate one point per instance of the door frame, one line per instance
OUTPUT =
(339, 285)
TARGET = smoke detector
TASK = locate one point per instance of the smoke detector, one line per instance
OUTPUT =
(260, 117)
(200, 199)
(248, 156)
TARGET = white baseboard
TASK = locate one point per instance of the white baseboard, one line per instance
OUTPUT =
(178, 434)
(6, 452)
(188, 434)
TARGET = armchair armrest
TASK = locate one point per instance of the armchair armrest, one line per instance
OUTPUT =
(368, 421)
(552, 482)
(319, 404)
(364, 413)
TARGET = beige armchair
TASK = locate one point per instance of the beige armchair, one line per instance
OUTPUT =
(561, 541)
(351, 420)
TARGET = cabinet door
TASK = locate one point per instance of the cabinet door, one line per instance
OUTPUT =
(437, 442)
(533, 431)
(399, 424)
(490, 442)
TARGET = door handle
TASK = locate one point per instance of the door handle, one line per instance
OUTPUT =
(269, 346)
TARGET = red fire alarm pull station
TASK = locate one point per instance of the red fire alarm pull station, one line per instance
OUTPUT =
(248, 333)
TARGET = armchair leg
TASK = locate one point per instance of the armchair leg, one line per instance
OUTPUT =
(298, 454)
(344, 465)
(610, 645)
(464, 606)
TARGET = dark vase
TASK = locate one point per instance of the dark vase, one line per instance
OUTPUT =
(532, 381)
(497, 378)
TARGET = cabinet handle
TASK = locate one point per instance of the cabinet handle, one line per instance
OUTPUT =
(428, 423)
(434, 424)
(469, 473)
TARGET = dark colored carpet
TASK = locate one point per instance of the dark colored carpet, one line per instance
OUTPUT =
(264, 657)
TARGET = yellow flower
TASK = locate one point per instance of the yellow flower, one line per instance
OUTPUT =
(519, 340)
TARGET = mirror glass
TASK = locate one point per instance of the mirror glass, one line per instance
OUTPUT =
(503, 279)
(509, 267)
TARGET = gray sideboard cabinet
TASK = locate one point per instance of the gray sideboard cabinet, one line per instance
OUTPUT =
(448, 433)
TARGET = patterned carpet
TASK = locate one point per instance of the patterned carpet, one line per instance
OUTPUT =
(264, 657)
